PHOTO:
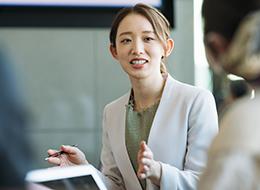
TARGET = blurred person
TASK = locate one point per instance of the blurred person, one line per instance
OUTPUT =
(232, 42)
(15, 155)
(156, 136)
(236, 89)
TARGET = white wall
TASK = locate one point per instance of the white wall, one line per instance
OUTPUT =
(68, 76)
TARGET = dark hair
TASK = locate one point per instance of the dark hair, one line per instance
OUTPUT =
(224, 16)
(159, 23)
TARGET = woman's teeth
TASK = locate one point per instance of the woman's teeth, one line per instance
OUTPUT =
(138, 62)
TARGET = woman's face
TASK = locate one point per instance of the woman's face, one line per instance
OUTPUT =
(138, 49)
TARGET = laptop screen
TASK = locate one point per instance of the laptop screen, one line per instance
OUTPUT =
(67, 178)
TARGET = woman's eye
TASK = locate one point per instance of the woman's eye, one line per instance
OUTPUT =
(148, 39)
(124, 41)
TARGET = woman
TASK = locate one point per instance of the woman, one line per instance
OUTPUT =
(176, 120)
(232, 43)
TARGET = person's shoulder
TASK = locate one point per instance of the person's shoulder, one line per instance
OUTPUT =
(122, 100)
(239, 126)
(188, 90)
(246, 109)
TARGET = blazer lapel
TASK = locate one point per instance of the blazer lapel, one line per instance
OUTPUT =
(121, 154)
(160, 118)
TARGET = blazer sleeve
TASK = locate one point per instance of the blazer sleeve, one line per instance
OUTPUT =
(110, 172)
(202, 128)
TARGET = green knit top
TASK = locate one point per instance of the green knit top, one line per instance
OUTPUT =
(138, 125)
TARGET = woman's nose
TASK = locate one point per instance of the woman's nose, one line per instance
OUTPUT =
(137, 48)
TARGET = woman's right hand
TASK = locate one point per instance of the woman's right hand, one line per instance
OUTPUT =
(71, 156)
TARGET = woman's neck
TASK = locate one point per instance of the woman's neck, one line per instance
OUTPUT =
(147, 92)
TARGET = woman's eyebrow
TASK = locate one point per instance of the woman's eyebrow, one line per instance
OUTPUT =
(125, 33)
(145, 32)
(148, 31)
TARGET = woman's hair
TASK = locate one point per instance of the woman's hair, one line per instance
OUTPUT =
(159, 23)
(224, 16)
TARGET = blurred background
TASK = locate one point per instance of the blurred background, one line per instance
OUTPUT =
(67, 74)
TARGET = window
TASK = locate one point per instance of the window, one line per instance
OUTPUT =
(69, 13)
(202, 71)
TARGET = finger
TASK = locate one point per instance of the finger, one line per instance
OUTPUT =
(140, 168)
(147, 154)
(142, 145)
(69, 149)
(143, 172)
(65, 161)
(146, 161)
(140, 171)
(145, 169)
(54, 160)
(146, 147)
(51, 151)
(139, 155)
(142, 175)
(142, 155)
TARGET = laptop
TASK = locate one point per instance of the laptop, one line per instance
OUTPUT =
(83, 177)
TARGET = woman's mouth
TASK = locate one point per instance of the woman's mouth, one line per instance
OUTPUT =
(138, 62)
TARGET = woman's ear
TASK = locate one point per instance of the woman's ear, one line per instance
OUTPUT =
(169, 47)
(113, 51)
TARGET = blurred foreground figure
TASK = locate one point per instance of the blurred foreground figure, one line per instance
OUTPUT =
(236, 90)
(232, 41)
(15, 156)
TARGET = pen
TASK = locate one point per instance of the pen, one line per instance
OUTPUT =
(56, 154)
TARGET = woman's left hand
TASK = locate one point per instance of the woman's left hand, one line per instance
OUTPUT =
(147, 166)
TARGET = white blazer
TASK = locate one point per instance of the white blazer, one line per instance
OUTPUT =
(182, 130)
